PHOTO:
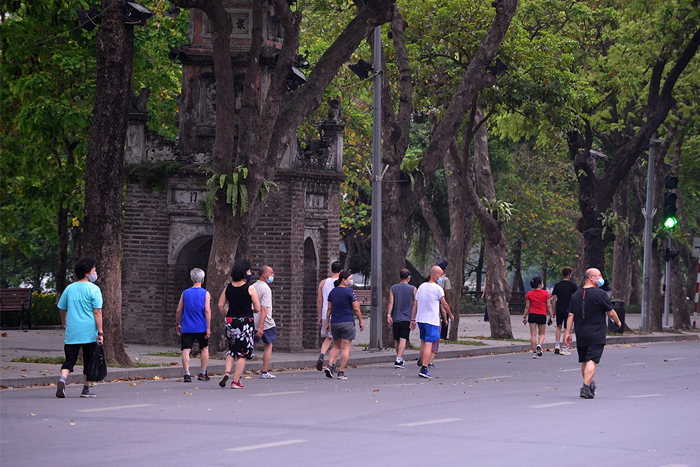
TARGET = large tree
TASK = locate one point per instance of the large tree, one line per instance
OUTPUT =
(633, 56)
(265, 126)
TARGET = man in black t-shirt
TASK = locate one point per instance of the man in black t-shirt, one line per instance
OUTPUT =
(588, 309)
(561, 296)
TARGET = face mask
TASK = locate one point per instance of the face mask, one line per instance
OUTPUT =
(351, 282)
(270, 279)
(601, 282)
(92, 277)
(440, 279)
(249, 277)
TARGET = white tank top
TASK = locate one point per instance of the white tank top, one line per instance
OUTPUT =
(327, 287)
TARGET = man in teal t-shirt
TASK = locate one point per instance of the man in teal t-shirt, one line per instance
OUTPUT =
(80, 306)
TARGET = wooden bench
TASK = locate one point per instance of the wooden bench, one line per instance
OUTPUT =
(364, 296)
(517, 302)
(17, 301)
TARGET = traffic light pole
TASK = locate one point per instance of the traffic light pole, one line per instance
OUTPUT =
(667, 284)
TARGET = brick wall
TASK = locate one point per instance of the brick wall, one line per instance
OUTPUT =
(144, 265)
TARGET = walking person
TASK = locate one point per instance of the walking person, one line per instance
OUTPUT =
(324, 288)
(193, 318)
(588, 310)
(80, 307)
(537, 307)
(340, 323)
(426, 313)
(265, 325)
(561, 296)
(401, 297)
(444, 320)
(240, 295)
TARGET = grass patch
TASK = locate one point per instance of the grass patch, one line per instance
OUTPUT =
(361, 345)
(461, 342)
(492, 339)
(49, 360)
(169, 353)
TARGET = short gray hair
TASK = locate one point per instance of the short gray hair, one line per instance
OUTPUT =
(197, 275)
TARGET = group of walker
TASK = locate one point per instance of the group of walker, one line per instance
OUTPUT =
(246, 307)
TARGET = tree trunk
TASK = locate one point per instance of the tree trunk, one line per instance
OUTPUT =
(622, 277)
(455, 249)
(680, 299)
(480, 264)
(497, 288)
(62, 267)
(104, 176)
(544, 273)
(518, 285)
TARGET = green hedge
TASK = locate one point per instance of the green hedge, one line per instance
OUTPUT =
(45, 310)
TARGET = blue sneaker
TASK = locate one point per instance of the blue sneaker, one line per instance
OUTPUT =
(431, 366)
(424, 373)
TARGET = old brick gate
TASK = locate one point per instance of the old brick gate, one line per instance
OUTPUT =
(166, 233)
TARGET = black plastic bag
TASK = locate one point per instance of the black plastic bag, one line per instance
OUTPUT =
(97, 370)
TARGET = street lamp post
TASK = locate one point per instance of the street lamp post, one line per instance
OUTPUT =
(375, 317)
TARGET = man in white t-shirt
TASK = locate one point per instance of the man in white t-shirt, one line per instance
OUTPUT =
(426, 312)
(265, 325)
(324, 288)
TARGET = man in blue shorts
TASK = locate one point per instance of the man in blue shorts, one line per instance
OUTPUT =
(588, 310)
(193, 318)
(426, 312)
(265, 325)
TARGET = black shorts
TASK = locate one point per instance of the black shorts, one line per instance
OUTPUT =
(591, 352)
(402, 329)
(72, 351)
(536, 318)
(188, 338)
(561, 318)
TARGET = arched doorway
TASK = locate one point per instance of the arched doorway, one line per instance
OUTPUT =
(310, 332)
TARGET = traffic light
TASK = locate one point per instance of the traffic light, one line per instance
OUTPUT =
(670, 199)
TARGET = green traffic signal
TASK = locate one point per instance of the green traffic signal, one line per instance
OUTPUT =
(670, 222)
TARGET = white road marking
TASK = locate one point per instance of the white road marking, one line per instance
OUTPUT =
(118, 407)
(632, 364)
(572, 369)
(402, 384)
(431, 422)
(495, 377)
(546, 406)
(267, 445)
(676, 465)
(277, 393)
(674, 360)
(647, 395)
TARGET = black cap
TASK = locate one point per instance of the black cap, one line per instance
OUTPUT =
(442, 264)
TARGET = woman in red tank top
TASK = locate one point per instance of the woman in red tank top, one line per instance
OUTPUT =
(537, 307)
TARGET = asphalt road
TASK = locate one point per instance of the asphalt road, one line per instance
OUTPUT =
(505, 410)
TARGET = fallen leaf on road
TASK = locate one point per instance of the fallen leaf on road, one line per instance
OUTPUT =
(4, 334)
(6, 368)
(248, 377)
(157, 377)
(72, 423)
(33, 415)
(173, 363)
(24, 376)
(133, 384)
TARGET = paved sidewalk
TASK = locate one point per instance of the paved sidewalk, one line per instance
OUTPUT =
(48, 342)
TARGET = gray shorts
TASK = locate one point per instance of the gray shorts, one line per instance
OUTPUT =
(344, 330)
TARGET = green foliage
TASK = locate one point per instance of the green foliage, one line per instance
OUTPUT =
(613, 221)
(45, 310)
(499, 209)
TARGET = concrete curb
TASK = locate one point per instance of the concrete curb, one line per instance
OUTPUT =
(356, 358)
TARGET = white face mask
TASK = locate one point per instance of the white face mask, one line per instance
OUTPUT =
(350, 282)
(92, 277)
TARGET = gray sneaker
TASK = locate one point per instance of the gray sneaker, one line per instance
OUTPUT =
(61, 390)
(539, 350)
(341, 375)
(586, 393)
(329, 372)
(593, 386)
(319, 364)
(222, 383)
(87, 394)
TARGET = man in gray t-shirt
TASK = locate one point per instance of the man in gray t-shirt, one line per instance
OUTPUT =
(401, 297)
